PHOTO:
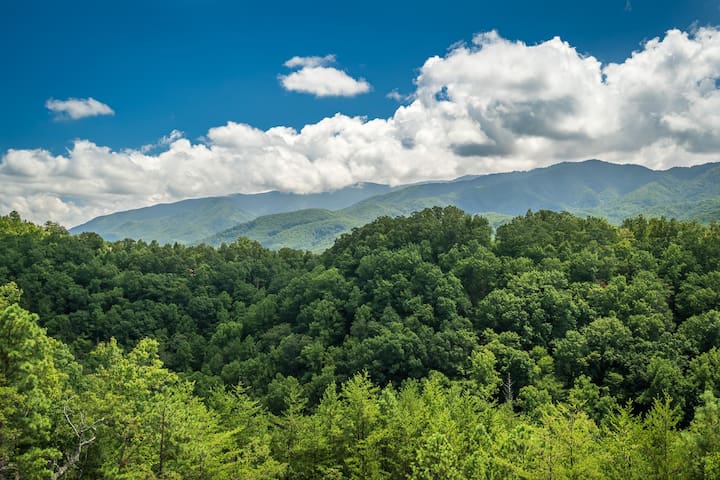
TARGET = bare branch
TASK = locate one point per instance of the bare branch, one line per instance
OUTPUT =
(67, 417)
(81, 429)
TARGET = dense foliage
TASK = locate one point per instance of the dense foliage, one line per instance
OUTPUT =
(416, 347)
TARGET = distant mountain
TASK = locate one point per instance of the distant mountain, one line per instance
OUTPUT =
(592, 187)
(188, 221)
(311, 229)
(313, 221)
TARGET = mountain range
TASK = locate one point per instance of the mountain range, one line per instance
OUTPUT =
(189, 221)
(313, 221)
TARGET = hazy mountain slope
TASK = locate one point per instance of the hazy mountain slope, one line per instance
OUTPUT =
(175, 222)
(588, 188)
(318, 233)
(682, 193)
(190, 220)
(558, 187)
(313, 221)
(313, 230)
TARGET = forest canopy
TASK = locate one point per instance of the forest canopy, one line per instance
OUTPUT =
(425, 346)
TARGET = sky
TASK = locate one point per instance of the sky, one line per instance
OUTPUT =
(111, 105)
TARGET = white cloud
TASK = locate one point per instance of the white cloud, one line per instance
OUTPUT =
(317, 78)
(76, 108)
(163, 141)
(175, 134)
(295, 62)
(494, 105)
(397, 96)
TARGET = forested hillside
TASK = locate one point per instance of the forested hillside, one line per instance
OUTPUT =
(593, 187)
(419, 347)
(313, 221)
(192, 220)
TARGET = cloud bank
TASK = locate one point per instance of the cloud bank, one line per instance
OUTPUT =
(76, 108)
(316, 77)
(491, 106)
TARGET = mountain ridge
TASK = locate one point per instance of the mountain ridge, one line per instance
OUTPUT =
(606, 190)
(164, 222)
(313, 221)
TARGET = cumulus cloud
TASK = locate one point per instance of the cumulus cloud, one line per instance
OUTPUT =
(76, 108)
(489, 106)
(316, 77)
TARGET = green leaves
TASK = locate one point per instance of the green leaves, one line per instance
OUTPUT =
(31, 390)
(478, 358)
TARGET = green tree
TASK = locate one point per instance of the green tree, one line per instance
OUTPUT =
(567, 446)
(660, 443)
(32, 389)
(361, 417)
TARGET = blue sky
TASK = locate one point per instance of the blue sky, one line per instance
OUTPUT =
(211, 72)
(191, 65)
